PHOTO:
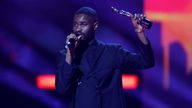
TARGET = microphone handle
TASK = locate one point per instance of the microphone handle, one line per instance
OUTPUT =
(72, 41)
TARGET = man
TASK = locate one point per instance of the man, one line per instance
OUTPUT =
(89, 72)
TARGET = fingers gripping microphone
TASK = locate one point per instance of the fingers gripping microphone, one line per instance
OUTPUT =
(72, 41)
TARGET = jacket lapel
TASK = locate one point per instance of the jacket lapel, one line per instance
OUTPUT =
(98, 52)
(89, 64)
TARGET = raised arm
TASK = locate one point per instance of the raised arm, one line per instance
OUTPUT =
(143, 59)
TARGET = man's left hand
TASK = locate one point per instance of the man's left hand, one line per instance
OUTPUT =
(135, 20)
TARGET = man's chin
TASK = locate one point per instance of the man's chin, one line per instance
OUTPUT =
(83, 38)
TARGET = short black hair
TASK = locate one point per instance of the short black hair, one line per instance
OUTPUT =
(87, 11)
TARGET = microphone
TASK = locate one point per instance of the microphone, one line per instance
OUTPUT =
(144, 22)
(72, 41)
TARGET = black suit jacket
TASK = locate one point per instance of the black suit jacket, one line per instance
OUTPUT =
(96, 81)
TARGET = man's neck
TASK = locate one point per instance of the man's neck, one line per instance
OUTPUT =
(92, 41)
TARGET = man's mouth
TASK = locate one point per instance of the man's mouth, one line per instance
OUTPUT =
(79, 34)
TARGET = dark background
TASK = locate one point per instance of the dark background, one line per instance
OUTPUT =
(33, 31)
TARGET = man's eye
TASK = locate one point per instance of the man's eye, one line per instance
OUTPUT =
(74, 24)
(83, 24)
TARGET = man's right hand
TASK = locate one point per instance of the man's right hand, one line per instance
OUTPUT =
(71, 50)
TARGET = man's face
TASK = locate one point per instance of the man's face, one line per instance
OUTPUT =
(84, 25)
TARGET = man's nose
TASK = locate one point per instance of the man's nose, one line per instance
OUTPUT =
(78, 29)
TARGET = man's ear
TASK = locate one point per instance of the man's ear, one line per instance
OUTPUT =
(96, 25)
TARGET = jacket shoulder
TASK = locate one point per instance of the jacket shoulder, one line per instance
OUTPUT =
(113, 47)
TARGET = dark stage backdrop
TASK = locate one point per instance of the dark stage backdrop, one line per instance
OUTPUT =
(33, 31)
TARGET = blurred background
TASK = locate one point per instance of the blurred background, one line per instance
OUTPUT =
(33, 31)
